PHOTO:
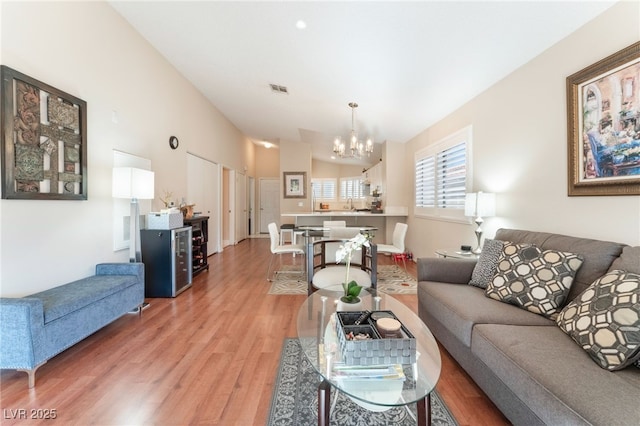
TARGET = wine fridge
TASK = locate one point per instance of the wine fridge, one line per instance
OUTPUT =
(166, 254)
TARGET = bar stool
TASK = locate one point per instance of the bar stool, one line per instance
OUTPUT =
(286, 228)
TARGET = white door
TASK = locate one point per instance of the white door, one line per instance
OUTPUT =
(241, 207)
(228, 206)
(251, 199)
(269, 203)
(203, 189)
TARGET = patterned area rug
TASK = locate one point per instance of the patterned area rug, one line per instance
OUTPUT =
(295, 399)
(392, 279)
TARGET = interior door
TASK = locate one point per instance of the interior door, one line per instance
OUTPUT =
(203, 189)
(269, 203)
(251, 197)
(241, 207)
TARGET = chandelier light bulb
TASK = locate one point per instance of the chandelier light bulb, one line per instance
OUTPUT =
(356, 148)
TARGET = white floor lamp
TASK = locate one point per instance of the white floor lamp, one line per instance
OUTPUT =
(135, 184)
(479, 205)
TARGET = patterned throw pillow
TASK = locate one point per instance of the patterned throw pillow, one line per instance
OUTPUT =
(487, 263)
(533, 279)
(605, 320)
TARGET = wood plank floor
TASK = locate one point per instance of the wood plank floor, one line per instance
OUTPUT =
(207, 357)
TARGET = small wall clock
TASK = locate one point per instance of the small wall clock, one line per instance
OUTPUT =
(173, 142)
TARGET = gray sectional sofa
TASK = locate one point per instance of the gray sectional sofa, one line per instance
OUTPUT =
(35, 328)
(534, 372)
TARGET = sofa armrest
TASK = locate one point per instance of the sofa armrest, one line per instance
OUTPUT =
(122, 269)
(21, 333)
(447, 270)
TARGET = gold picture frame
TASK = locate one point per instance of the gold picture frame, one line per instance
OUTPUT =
(295, 184)
(603, 126)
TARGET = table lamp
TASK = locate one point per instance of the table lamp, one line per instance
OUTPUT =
(479, 205)
(135, 184)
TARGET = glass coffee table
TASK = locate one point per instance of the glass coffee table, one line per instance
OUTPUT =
(318, 338)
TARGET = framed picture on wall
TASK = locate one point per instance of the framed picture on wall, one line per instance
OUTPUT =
(603, 123)
(295, 184)
(43, 140)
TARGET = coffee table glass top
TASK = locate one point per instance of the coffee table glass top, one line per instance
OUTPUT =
(318, 338)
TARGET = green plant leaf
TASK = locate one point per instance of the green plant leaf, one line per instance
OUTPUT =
(353, 289)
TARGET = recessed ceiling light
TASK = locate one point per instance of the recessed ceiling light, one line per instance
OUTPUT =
(267, 145)
(301, 25)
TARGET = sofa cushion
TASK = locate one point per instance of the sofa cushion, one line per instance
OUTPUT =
(459, 307)
(628, 261)
(487, 263)
(597, 255)
(533, 279)
(61, 300)
(556, 378)
(605, 320)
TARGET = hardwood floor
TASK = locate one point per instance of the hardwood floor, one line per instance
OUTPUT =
(207, 357)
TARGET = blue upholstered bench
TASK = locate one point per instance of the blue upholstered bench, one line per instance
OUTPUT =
(37, 327)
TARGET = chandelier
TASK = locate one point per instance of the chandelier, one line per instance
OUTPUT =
(356, 148)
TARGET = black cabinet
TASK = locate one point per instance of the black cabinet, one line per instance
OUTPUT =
(200, 236)
(166, 254)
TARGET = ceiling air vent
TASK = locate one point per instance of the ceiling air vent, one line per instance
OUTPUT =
(279, 89)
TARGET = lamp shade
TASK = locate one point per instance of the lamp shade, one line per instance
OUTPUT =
(480, 204)
(129, 182)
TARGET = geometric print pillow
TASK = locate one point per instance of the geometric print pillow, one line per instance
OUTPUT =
(534, 279)
(487, 262)
(605, 320)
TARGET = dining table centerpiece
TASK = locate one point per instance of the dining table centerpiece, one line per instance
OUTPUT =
(350, 299)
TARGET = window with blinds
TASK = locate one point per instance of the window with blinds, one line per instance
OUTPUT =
(323, 189)
(441, 176)
(351, 188)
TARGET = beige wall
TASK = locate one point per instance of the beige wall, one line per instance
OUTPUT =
(88, 50)
(267, 166)
(520, 146)
(295, 157)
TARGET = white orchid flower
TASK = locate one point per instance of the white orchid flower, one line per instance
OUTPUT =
(345, 251)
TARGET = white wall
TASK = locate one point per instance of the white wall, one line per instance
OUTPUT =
(520, 147)
(88, 50)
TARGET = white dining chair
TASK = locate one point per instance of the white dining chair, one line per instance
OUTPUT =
(334, 224)
(326, 274)
(397, 246)
(277, 249)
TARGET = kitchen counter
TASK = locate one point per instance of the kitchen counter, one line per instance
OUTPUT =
(385, 222)
(340, 213)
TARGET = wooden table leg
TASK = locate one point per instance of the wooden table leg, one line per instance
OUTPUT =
(424, 411)
(324, 403)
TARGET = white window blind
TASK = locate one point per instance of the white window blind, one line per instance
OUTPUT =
(351, 188)
(323, 189)
(442, 176)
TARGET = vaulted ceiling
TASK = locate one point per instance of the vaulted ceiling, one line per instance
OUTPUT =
(407, 64)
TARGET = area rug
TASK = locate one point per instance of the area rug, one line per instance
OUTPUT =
(295, 399)
(392, 279)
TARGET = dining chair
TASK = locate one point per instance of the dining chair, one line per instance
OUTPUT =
(397, 246)
(334, 224)
(280, 249)
(327, 274)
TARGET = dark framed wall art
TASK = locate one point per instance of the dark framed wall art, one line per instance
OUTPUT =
(603, 126)
(295, 184)
(44, 140)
